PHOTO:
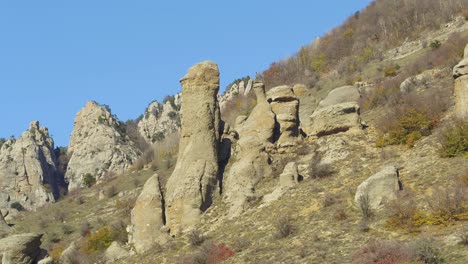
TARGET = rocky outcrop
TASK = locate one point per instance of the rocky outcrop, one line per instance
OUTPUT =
(460, 73)
(193, 182)
(21, 249)
(285, 105)
(98, 145)
(338, 112)
(237, 89)
(288, 178)
(160, 120)
(422, 81)
(115, 252)
(340, 95)
(28, 173)
(250, 162)
(147, 217)
(379, 188)
(71, 255)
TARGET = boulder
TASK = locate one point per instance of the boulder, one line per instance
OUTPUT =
(345, 94)
(334, 119)
(251, 162)
(288, 178)
(191, 186)
(147, 217)
(460, 73)
(28, 173)
(421, 81)
(380, 187)
(290, 175)
(46, 260)
(98, 145)
(160, 120)
(285, 105)
(115, 252)
(72, 255)
(19, 249)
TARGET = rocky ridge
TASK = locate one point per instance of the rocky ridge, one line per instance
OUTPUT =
(98, 145)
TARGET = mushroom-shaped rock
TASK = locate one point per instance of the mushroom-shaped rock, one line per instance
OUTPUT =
(191, 186)
(285, 105)
(379, 188)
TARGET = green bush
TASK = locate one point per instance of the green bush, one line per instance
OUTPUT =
(89, 180)
(454, 139)
(99, 240)
(391, 71)
(407, 129)
(435, 44)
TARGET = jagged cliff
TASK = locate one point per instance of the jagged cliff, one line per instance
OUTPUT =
(98, 145)
(28, 173)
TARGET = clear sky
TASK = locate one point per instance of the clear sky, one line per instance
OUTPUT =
(56, 55)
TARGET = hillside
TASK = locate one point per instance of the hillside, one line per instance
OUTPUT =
(353, 150)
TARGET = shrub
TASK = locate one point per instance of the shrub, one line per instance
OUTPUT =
(402, 211)
(319, 170)
(383, 252)
(454, 139)
(329, 199)
(85, 229)
(89, 180)
(391, 71)
(427, 251)
(196, 237)
(463, 234)
(435, 44)
(410, 126)
(284, 226)
(67, 230)
(448, 203)
(111, 191)
(99, 240)
(125, 205)
(17, 206)
(56, 252)
(364, 205)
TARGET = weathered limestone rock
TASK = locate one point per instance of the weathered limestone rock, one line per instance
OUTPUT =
(71, 255)
(147, 217)
(160, 120)
(380, 187)
(288, 178)
(115, 252)
(192, 184)
(460, 73)
(19, 249)
(340, 95)
(251, 162)
(338, 112)
(334, 119)
(98, 145)
(27, 169)
(249, 86)
(285, 105)
(421, 81)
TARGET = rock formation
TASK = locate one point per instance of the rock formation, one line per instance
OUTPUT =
(115, 252)
(240, 88)
(98, 144)
(191, 186)
(20, 249)
(147, 217)
(285, 105)
(251, 162)
(421, 81)
(288, 178)
(379, 188)
(28, 172)
(460, 73)
(338, 112)
(160, 120)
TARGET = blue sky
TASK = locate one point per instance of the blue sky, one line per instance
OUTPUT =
(57, 55)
